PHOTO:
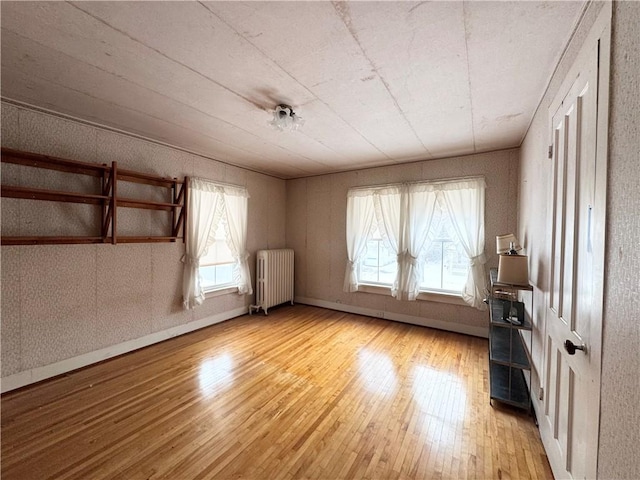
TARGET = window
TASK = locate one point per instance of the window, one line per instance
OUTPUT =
(426, 236)
(445, 264)
(216, 253)
(217, 265)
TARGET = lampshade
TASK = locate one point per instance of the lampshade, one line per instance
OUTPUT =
(513, 269)
(503, 243)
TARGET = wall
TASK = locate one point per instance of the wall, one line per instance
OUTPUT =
(620, 401)
(64, 306)
(316, 226)
(535, 194)
(620, 384)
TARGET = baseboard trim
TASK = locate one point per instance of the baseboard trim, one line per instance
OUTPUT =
(38, 374)
(482, 332)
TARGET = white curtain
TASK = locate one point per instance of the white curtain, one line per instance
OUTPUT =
(207, 202)
(404, 215)
(465, 204)
(390, 215)
(420, 205)
(359, 223)
(236, 203)
(205, 205)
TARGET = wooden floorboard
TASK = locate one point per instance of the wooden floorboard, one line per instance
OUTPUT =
(301, 393)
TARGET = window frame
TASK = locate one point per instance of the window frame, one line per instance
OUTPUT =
(423, 292)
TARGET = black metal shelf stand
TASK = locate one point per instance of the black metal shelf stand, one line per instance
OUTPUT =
(509, 358)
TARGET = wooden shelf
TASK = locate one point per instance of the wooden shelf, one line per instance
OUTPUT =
(137, 177)
(52, 195)
(143, 239)
(132, 203)
(107, 199)
(52, 163)
(51, 240)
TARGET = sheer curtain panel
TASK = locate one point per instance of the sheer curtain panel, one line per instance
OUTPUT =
(389, 205)
(421, 201)
(236, 204)
(204, 200)
(209, 203)
(465, 203)
(360, 215)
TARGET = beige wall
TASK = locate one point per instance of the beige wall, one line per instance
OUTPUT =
(620, 388)
(83, 302)
(534, 193)
(620, 399)
(316, 216)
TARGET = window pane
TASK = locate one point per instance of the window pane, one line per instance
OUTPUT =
(213, 276)
(432, 278)
(207, 277)
(455, 267)
(369, 266)
(216, 266)
(219, 252)
(379, 264)
(224, 273)
(446, 264)
(388, 264)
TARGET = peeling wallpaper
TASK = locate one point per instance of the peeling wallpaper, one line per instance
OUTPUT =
(62, 301)
(316, 219)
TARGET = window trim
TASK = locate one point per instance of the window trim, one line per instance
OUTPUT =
(424, 295)
(219, 290)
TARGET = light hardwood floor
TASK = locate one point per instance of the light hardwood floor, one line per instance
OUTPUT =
(301, 393)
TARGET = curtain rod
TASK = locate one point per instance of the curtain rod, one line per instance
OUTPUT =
(418, 182)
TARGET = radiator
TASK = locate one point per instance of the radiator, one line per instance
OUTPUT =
(274, 278)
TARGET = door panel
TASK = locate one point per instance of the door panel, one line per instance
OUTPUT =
(569, 370)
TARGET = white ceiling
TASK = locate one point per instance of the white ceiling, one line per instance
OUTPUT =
(377, 83)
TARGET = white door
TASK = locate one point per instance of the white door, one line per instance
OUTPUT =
(569, 422)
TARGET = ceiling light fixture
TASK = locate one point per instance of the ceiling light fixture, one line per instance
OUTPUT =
(284, 118)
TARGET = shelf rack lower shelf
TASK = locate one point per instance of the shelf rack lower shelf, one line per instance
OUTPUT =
(508, 386)
(507, 348)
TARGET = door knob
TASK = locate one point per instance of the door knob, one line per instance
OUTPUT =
(571, 348)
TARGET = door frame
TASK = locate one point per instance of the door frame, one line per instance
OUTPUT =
(599, 35)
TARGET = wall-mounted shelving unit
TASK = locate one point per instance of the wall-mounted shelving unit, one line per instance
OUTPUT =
(106, 199)
(509, 359)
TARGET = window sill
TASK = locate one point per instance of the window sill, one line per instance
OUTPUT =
(424, 296)
(219, 292)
